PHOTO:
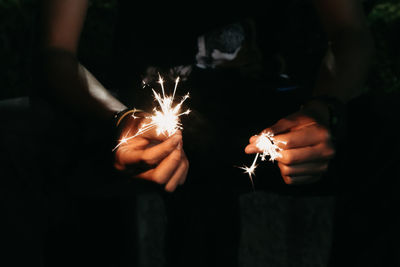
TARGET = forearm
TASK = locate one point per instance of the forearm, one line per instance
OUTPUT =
(72, 86)
(345, 67)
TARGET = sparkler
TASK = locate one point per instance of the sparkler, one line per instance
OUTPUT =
(269, 147)
(165, 119)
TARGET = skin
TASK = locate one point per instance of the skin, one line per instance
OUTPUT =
(160, 159)
(152, 157)
(309, 149)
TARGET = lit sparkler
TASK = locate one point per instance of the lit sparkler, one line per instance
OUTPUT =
(165, 119)
(269, 147)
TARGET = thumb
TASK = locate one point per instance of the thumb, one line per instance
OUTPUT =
(286, 124)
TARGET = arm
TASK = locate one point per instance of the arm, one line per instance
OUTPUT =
(68, 82)
(344, 69)
(308, 133)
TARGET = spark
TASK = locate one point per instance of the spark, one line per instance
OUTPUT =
(176, 85)
(269, 147)
(250, 170)
(165, 118)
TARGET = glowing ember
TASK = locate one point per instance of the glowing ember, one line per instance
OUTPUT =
(166, 118)
(268, 145)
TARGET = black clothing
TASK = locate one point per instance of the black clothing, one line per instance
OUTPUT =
(250, 67)
(229, 103)
(275, 52)
(166, 35)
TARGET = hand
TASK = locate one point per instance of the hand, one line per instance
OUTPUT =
(307, 149)
(153, 157)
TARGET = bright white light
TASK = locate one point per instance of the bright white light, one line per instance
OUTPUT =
(268, 145)
(166, 118)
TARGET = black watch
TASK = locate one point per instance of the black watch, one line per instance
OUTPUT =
(118, 116)
(337, 115)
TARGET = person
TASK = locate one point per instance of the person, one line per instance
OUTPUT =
(308, 134)
(236, 60)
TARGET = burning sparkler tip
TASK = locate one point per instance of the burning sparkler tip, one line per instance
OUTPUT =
(165, 119)
(269, 147)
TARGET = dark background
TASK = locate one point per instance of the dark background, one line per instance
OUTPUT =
(365, 219)
(18, 20)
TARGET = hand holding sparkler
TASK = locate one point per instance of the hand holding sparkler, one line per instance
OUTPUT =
(151, 156)
(305, 147)
(151, 144)
(266, 146)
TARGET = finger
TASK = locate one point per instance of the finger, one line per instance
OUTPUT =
(157, 153)
(306, 136)
(253, 139)
(142, 126)
(310, 168)
(153, 134)
(167, 167)
(183, 179)
(147, 129)
(317, 152)
(135, 151)
(147, 175)
(285, 124)
(178, 177)
(184, 176)
(137, 143)
(252, 149)
(129, 152)
(300, 180)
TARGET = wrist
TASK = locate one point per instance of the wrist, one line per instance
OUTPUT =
(332, 113)
(123, 115)
(120, 115)
(125, 121)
